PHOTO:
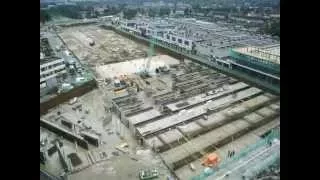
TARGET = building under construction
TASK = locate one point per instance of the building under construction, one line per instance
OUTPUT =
(202, 112)
(200, 122)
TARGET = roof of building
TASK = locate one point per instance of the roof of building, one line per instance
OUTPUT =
(48, 59)
(269, 53)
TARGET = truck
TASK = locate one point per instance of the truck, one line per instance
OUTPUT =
(148, 174)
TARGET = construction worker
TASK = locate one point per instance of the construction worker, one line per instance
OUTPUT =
(231, 153)
(141, 141)
(269, 142)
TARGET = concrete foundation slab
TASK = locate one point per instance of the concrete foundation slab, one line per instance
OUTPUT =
(190, 129)
(253, 118)
(266, 112)
(258, 100)
(213, 119)
(170, 136)
(154, 142)
(198, 144)
(244, 141)
(135, 66)
(143, 116)
(185, 115)
(203, 97)
(275, 107)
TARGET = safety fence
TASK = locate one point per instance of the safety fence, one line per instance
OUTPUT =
(274, 134)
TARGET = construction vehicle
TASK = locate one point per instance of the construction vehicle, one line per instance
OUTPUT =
(148, 174)
(211, 160)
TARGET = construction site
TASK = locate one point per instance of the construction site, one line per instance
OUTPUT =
(157, 116)
(109, 47)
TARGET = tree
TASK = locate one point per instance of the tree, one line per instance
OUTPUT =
(272, 28)
(106, 12)
(130, 13)
(152, 13)
(96, 13)
(142, 11)
(88, 15)
(44, 16)
(186, 12)
(164, 11)
(69, 11)
(275, 28)
(122, 6)
(196, 7)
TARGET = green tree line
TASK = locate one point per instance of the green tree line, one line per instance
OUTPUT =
(44, 16)
(272, 28)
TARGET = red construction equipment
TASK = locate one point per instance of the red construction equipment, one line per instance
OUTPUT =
(211, 160)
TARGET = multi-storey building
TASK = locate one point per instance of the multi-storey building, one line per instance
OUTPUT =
(50, 68)
(262, 62)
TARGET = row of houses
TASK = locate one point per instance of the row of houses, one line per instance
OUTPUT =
(161, 31)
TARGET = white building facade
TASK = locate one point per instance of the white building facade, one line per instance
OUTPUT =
(50, 68)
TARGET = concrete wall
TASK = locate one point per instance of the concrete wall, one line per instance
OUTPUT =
(63, 97)
(62, 132)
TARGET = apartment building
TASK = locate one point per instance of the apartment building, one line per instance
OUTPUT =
(50, 68)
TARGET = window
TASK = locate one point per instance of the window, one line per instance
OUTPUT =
(186, 43)
(59, 70)
(173, 39)
(168, 37)
(43, 69)
(43, 85)
(180, 41)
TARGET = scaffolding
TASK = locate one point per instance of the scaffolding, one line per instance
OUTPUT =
(260, 144)
(255, 62)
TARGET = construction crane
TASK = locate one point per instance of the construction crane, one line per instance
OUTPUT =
(145, 71)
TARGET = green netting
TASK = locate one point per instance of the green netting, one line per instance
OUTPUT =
(274, 134)
(253, 171)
